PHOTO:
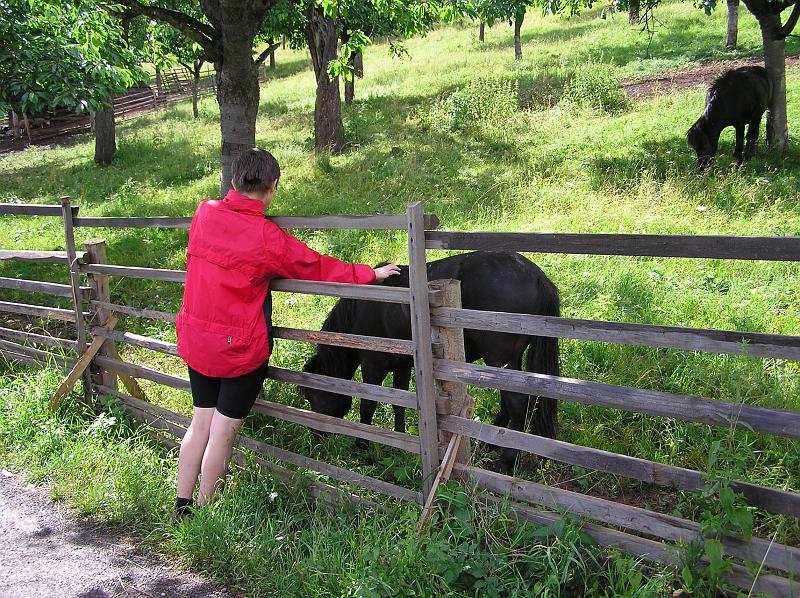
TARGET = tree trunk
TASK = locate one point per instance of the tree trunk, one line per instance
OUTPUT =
(481, 32)
(198, 65)
(357, 64)
(633, 12)
(27, 127)
(105, 143)
(322, 37)
(775, 63)
(518, 18)
(237, 95)
(159, 82)
(272, 60)
(15, 125)
(733, 24)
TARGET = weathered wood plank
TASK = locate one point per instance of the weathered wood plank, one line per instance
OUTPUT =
(326, 423)
(136, 340)
(668, 337)
(666, 527)
(41, 357)
(53, 257)
(339, 474)
(36, 286)
(133, 222)
(650, 550)
(769, 499)
(13, 357)
(77, 303)
(40, 339)
(53, 313)
(139, 371)
(423, 355)
(651, 402)
(353, 341)
(338, 289)
(373, 392)
(137, 312)
(694, 246)
(296, 222)
(18, 209)
(135, 272)
(78, 369)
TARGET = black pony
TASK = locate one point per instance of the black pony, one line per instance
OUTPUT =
(493, 281)
(738, 98)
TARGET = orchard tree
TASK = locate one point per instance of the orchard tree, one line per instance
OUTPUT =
(513, 11)
(228, 32)
(63, 54)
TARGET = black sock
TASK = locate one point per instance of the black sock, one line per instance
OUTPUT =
(183, 506)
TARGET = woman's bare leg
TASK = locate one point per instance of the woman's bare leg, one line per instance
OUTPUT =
(217, 454)
(193, 446)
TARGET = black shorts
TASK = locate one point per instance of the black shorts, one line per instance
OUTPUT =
(233, 397)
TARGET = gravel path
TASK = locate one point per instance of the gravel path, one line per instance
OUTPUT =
(46, 553)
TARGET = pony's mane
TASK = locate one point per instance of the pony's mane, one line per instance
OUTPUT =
(339, 361)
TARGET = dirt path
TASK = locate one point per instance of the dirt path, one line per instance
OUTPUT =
(682, 78)
(45, 553)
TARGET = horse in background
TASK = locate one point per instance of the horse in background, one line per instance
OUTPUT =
(737, 98)
(492, 281)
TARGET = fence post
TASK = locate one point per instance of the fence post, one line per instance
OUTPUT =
(453, 398)
(96, 254)
(423, 355)
(77, 295)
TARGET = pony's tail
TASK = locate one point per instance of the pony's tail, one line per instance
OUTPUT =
(543, 358)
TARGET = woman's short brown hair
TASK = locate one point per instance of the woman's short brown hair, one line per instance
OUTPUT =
(255, 170)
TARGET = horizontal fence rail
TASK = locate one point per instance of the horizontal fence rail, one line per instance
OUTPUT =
(295, 222)
(52, 257)
(335, 289)
(650, 402)
(665, 337)
(47, 288)
(690, 246)
(53, 313)
(667, 527)
(18, 209)
(670, 476)
(39, 339)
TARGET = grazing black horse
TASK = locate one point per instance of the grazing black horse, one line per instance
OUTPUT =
(492, 281)
(738, 98)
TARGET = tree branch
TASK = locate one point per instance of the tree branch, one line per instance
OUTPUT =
(790, 22)
(270, 49)
(192, 28)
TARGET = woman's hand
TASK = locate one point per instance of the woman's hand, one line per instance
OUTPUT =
(385, 272)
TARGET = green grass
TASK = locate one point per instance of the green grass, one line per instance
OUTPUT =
(268, 539)
(558, 164)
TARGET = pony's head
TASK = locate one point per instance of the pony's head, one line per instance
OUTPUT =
(703, 145)
(323, 401)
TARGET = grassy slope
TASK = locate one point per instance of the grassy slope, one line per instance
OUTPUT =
(541, 169)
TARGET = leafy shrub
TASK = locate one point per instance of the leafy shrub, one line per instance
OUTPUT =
(481, 100)
(594, 86)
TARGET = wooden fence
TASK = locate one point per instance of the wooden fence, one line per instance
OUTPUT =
(442, 377)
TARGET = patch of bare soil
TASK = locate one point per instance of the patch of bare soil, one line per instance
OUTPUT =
(45, 553)
(688, 77)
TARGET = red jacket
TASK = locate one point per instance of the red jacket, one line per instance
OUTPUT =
(233, 254)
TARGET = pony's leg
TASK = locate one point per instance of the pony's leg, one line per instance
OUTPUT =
(737, 150)
(513, 407)
(371, 375)
(752, 137)
(401, 378)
